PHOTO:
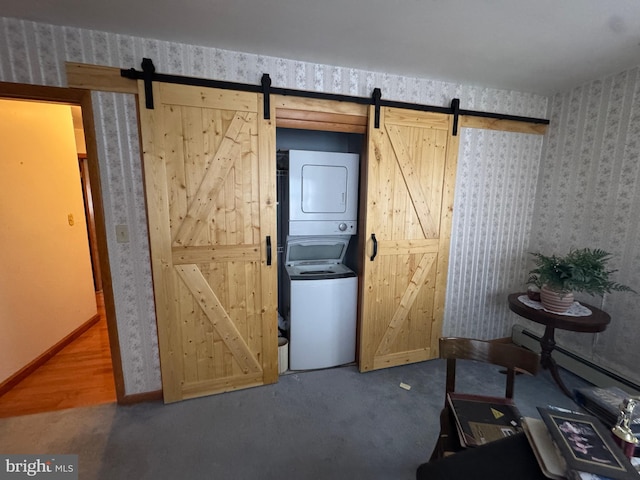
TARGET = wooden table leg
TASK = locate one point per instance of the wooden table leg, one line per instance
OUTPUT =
(548, 343)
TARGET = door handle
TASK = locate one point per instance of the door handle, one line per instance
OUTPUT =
(268, 250)
(375, 246)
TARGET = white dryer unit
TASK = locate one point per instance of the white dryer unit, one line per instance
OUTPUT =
(322, 300)
(323, 193)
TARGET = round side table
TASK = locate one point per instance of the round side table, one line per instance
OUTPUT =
(596, 322)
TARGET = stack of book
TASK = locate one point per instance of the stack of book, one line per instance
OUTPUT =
(576, 447)
(604, 403)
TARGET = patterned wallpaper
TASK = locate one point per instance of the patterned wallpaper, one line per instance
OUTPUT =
(493, 207)
(492, 220)
(123, 195)
(589, 196)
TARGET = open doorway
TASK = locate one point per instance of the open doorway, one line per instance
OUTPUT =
(92, 317)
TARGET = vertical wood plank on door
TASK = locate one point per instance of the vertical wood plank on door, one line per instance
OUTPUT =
(236, 306)
(452, 147)
(248, 197)
(265, 142)
(194, 164)
(202, 341)
(215, 122)
(260, 163)
(160, 242)
(231, 202)
(253, 316)
(400, 319)
(177, 195)
(187, 312)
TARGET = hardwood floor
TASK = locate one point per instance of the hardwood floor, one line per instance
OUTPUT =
(80, 374)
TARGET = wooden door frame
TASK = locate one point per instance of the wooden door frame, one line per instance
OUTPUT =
(87, 197)
(82, 98)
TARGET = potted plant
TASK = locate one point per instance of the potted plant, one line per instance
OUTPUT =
(581, 270)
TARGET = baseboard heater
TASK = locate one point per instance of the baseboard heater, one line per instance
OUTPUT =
(574, 363)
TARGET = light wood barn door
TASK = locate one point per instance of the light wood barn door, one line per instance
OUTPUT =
(409, 202)
(209, 165)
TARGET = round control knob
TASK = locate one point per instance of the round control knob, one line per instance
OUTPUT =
(342, 227)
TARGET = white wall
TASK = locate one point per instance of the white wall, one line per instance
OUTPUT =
(46, 284)
(494, 168)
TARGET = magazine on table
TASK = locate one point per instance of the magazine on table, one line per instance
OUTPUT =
(481, 419)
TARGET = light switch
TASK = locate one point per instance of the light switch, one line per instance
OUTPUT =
(122, 234)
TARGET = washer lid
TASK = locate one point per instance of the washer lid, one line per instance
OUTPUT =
(323, 271)
(305, 250)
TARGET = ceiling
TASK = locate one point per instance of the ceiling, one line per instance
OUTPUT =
(538, 46)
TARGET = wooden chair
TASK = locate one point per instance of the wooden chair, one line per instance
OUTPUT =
(512, 357)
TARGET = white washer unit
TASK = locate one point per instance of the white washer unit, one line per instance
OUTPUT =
(322, 297)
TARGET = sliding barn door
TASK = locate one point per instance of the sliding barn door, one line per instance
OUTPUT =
(409, 201)
(209, 166)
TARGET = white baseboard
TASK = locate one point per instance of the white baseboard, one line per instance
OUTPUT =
(599, 376)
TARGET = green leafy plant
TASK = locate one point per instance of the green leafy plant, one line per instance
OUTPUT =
(581, 270)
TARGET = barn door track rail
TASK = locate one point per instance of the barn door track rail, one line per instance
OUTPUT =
(149, 75)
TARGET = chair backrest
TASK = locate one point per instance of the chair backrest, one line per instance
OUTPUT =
(512, 357)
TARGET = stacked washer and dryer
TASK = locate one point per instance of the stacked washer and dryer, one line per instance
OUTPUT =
(319, 292)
